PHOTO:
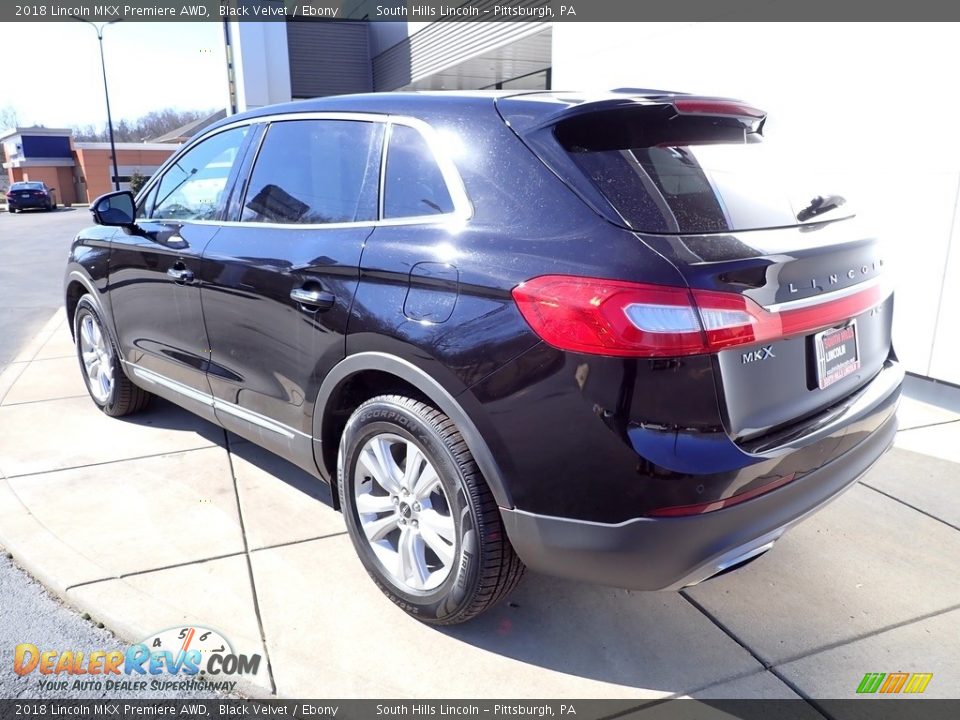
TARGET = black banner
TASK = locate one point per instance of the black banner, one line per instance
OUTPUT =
(476, 10)
(678, 709)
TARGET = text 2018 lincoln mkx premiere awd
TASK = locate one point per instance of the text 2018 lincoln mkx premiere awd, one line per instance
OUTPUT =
(602, 336)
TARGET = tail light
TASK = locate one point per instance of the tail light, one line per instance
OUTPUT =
(623, 319)
(717, 106)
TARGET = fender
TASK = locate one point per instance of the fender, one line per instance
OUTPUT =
(96, 296)
(438, 394)
(85, 280)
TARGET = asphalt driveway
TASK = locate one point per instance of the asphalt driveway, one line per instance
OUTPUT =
(34, 246)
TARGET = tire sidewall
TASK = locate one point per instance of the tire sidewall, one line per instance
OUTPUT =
(86, 307)
(385, 416)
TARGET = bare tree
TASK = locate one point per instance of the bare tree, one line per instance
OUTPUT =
(151, 125)
(8, 120)
(8, 117)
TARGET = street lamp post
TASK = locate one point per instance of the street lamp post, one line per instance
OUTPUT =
(106, 94)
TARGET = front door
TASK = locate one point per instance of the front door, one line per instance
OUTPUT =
(154, 271)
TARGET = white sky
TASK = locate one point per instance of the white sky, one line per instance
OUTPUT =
(150, 66)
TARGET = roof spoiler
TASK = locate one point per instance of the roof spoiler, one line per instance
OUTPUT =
(669, 104)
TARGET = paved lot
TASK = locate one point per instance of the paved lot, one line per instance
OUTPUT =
(164, 519)
(35, 246)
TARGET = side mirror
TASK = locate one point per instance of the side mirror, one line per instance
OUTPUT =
(114, 209)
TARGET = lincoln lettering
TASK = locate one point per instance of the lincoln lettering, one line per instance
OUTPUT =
(834, 278)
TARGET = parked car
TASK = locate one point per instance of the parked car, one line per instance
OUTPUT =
(593, 336)
(26, 195)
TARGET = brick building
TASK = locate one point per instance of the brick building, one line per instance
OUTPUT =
(80, 171)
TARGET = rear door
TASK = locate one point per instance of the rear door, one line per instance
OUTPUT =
(279, 280)
(695, 179)
(155, 271)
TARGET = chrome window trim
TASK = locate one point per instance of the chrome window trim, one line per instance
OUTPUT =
(254, 418)
(462, 207)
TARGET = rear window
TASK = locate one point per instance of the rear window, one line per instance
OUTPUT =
(27, 186)
(693, 175)
(414, 183)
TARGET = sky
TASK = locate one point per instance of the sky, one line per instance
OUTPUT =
(150, 66)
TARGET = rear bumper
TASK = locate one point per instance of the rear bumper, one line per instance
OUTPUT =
(669, 553)
(27, 204)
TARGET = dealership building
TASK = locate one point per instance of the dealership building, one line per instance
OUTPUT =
(79, 171)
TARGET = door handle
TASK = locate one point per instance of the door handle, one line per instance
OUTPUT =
(315, 299)
(180, 275)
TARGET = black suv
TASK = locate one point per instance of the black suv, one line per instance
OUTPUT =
(602, 337)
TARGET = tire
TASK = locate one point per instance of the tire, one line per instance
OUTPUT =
(11, 210)
(459, 558)
(112, 392)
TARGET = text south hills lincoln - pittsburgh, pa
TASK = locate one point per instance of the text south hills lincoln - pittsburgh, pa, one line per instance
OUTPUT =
(469, 11)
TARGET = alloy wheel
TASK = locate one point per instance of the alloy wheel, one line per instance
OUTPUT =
(404, 512)
(97, 359)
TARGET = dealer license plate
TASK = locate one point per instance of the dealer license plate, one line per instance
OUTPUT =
(838, 354)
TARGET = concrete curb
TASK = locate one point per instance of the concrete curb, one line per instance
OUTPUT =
(30, 350)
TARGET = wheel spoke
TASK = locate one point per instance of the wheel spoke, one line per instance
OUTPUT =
(443, 550)
(377, 530)
(413, 466)
(413, 564)
(89, 358)
(426, 482)
(97, 336)
(441, 525)
(368, 503)
(85, 332)
(377, 458)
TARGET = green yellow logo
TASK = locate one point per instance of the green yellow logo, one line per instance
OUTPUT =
(891, 683)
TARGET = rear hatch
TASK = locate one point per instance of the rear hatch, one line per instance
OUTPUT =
(26, 193)
(757, 240)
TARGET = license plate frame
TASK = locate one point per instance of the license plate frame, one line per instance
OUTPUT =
(833, 366)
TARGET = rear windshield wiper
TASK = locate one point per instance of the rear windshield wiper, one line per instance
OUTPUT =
(820, 205)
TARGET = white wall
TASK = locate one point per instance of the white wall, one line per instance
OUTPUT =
(261, 63)
(871, 106)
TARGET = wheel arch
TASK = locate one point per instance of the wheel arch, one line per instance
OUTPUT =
(78, 285)
(379, 373)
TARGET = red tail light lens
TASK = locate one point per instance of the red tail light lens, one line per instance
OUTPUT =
(622, 319)
(709, 106)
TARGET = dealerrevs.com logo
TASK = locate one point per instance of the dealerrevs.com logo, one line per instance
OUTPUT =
(184, 658)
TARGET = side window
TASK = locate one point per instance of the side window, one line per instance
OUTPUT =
(414, 185)
(146, 205)
(316, 172)
(193, 188)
